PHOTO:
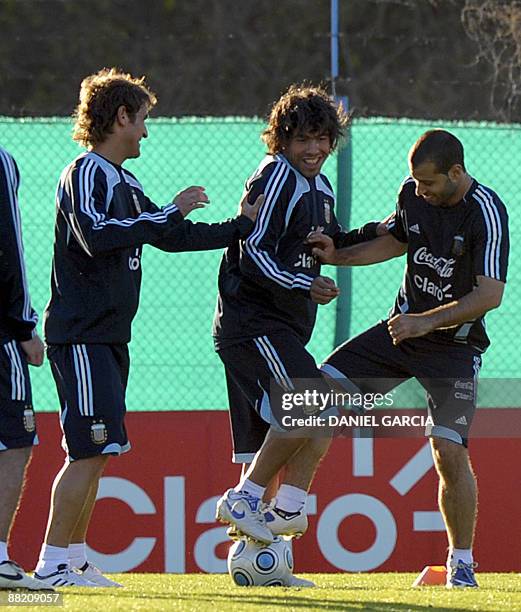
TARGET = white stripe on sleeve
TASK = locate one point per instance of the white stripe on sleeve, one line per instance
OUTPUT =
(260, 257)
(12, 186)
(494, 233)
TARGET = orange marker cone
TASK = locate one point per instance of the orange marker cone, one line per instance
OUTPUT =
(431, 575)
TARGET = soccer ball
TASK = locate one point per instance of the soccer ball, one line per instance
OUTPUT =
(253, 564)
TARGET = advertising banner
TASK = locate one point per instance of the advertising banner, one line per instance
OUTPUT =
(372, 506)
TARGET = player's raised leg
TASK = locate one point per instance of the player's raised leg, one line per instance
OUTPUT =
(242, 506)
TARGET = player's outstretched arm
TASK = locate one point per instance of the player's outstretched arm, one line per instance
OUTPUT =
(188, 236)
(82, 200)
(369, 231)
(363, 254)
(194, 197)
(486, 296)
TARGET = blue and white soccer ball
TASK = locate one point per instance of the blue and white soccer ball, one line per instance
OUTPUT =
(253, 564)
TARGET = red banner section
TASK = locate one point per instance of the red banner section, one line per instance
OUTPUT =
(373, 504)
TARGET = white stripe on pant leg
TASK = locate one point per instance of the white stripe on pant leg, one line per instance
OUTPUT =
(262, 351)
(274, 365)
(477, 368)
(77, 371)
(271, 367)
(83, 360)
(274, 359)
(14, 371)
(80, 377)
(18, 393)
(18, 359)
(90, 400)
(275, 356)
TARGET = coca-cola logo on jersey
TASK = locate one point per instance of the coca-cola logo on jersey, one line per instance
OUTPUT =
(443, 266)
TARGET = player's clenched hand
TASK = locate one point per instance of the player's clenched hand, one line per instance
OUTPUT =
(323, 290)
(33, 350)
(324, 248)
(251, 210)
(190, 198)
(405, 326)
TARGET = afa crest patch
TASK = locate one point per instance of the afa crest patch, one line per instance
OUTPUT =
(29, 420)
(98, 432)
(327, 211)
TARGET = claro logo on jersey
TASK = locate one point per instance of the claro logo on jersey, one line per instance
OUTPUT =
(305, 261)
(308, 261)
(427, 286)
(443, 266)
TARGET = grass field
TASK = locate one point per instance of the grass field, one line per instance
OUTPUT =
(378, 592)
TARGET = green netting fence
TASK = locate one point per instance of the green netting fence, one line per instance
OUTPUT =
(173, 363)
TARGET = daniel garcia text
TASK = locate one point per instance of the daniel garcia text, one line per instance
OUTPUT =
(358, 420)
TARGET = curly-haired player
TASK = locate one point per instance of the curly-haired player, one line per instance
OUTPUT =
(269, 288)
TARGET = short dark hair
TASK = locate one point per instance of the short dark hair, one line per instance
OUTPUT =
(303, 108)
(440, 147)
(101, 95)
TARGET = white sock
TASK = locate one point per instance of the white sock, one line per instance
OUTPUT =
(77, 555)
(3, 552)
(251, 488)
(459, 554)
(290, 498)
(50, 558)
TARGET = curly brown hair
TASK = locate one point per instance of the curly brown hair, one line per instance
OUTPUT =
(101, 95)
(301, 109)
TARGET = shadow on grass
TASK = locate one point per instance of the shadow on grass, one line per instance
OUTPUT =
(282, 599)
